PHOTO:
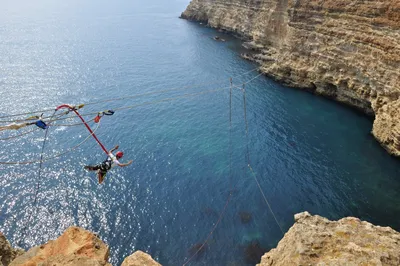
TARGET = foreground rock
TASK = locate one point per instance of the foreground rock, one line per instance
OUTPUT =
(140, 258)
(314, 240)
(7, 253)
(348, 50)
(75, 246)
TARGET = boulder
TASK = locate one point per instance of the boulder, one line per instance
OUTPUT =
(75, 246)
(139, 258)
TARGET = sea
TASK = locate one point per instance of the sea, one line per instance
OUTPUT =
(223, 157)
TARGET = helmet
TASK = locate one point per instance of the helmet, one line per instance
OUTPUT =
(119, 154)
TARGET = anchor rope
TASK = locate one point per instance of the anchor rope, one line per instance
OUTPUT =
(248, 160)
(34, 205)
(217, 81)
(230, 183)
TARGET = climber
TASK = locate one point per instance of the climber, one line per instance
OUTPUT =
(110, 162)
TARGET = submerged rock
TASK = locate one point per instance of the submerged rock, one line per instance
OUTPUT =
(196, 248)
(217, 38)
(253, 252)
(245, 217)
(314, 240)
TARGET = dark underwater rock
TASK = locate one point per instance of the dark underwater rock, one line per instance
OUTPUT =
(253, 252)
(245, 217)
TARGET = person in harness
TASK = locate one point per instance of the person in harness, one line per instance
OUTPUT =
(111, 161)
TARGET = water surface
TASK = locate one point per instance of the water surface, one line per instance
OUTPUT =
(308, 153)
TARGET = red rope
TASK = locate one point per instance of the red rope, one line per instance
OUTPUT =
(84, 122)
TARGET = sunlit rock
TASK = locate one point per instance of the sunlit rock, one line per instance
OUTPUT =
(75, 246)
(314, 240)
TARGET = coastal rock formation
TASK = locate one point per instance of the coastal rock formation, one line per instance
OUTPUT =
(314, 240)
(347, 50)
(7, 253)
(139, 258)
(75, 246)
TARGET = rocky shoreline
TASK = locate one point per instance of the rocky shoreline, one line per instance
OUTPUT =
(312, 240)
(345, 50)
(75, 247)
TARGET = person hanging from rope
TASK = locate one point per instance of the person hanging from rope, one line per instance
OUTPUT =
(111, 161)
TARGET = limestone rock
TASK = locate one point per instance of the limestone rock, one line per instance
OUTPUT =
(7, 253)
(75, 246)
(347, 50)
(139, 258)
(314, 240)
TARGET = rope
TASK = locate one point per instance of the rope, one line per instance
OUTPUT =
(230, 183)
(230, 136)
(248, 160)
(169, 90)
(148, 103)
(168, 99)
(122, 108)
(37, 185)
(20, 135)
(129, 97)
(132, 96)
(30, 119)
(72, 125)
(36, 129)
(28, 113)
(55, 156)
(84, 122)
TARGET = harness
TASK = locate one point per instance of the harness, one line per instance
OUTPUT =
(106, 165)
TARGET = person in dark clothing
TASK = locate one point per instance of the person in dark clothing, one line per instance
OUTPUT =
(111, 161)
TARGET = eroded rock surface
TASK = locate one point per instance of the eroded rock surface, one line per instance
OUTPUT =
(314, 240)
(7, 253)
(75, 246)
(348, 50)
(139, 258)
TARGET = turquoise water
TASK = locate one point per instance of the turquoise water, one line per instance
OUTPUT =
(307, 152)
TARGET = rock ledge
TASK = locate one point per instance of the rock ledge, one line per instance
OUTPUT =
(314, 240)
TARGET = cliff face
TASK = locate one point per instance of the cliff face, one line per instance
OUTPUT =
(348, 50)
(314, 240)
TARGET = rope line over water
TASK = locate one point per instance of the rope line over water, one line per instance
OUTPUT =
(230, 182)
(19, 135)
(248, 159)
(127, 97)
(55, 156)
(117, 109)
(37, 184)
(53, 118)
(34, 205)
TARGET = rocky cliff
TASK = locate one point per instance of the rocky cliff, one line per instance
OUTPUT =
(7, 253)
(314, 240)
(348, 50)
(75, 246)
